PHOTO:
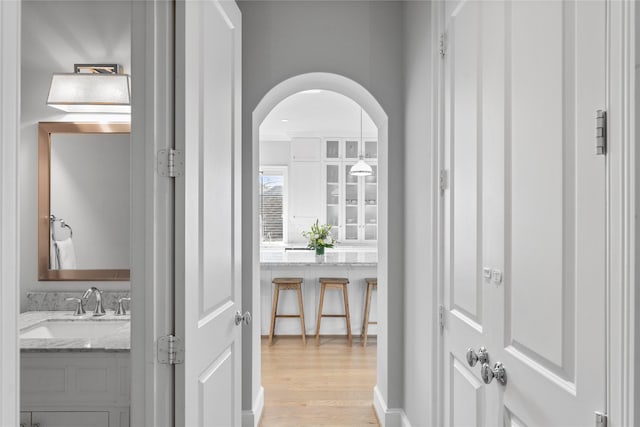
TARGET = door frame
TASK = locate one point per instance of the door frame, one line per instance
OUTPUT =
(152, 211)
(253, 399)
(621, 263)
(10, 30)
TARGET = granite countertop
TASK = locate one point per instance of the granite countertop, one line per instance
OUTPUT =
(119, 341)
(362, 257)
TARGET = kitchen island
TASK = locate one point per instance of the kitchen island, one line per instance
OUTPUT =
(354, 263)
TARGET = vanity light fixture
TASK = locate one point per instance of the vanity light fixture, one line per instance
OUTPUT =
(361, 168)
(91, 88)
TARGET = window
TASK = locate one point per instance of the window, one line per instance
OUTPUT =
(273, 182)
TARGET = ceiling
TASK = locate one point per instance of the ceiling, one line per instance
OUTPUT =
(316, 113)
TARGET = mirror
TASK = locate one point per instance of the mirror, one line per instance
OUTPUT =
(83, 201)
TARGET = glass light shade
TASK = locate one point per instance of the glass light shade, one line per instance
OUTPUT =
(361, 168)
(90, 93)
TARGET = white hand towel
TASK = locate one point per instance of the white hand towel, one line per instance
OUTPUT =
(66, 254)
(53, 256)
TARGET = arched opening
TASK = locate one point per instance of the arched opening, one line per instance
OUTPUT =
(370, 106)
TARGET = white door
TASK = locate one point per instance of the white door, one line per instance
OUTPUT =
(208, 252)
(525, 212)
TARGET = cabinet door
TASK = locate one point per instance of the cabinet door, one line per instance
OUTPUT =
(25, 419)
(370, 149)
(332, 149)
(305, 200)
(351, 149)
(351, 206)
(370, 205)
(305, 149)
(70, 419)
(332, 198)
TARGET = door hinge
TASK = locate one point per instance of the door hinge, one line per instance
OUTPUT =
(601, 132)
(444, 180)
(170, 350)
(443, 45)
(170, 163)
(601, 419)
(441, 316)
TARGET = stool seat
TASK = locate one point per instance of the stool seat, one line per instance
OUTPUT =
(334, 280)
(287, 280)
(339, 283)
(372, 283)
(282, 284)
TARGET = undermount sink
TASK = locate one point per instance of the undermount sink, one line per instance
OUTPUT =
(72, 329)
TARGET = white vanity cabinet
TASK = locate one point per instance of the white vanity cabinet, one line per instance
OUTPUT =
(64, 419)
(75, 389)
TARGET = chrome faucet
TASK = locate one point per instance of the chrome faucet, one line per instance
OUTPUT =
(99, 310)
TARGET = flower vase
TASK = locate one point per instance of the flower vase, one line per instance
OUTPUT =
(320, 250)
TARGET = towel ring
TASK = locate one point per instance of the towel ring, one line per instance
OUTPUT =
(63, 224)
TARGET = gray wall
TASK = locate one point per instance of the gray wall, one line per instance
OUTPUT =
(56, 35)
(420, 320)
(363, 41)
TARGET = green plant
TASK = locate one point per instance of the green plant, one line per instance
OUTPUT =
(319, 236)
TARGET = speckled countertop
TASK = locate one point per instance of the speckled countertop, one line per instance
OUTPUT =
(363, 257)
(119, 341)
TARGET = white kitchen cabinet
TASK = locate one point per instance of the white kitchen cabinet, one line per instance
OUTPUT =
(305, 203)
(350, 202)
(305, 149)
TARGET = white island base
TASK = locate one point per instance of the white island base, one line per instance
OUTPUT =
(354, 265)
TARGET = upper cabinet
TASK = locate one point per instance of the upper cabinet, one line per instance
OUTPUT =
(306, 149)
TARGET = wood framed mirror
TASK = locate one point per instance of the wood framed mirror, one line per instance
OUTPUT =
(83, 201)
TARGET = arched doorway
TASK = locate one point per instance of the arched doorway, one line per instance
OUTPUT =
(360, 95)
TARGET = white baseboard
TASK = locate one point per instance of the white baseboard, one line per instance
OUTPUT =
(394, 417)
(252, 418)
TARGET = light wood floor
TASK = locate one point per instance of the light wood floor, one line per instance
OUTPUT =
(329, 385)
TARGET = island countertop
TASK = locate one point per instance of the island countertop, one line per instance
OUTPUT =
(279, 256)
(119, 341)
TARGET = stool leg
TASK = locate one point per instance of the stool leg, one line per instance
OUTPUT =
(303, 328)
(367, 309)
(274, 310)
(322, 287)
(345, 294)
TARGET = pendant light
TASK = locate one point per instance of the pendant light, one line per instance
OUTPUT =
(361, 168)
(92, 88)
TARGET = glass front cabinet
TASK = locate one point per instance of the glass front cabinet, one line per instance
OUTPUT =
(351, 202)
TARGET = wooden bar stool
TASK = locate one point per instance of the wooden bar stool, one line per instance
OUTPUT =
(287, 283)
(339, 283)
(372, 284)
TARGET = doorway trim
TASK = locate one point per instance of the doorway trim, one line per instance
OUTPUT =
(253, 397)
(10, 30)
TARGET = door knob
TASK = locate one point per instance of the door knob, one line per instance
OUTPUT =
(498, 372)
(243, 318)
(481, 356)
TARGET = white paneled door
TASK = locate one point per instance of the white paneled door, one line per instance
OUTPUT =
(524, 265)
(208, 260)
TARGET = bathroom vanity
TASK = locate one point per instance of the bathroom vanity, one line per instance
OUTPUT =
(75, 370)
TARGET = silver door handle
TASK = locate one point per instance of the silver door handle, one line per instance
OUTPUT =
(481, 356)
(243, 318)
(498, 372)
